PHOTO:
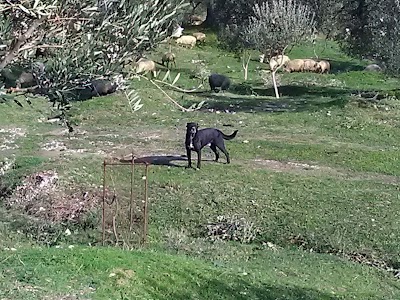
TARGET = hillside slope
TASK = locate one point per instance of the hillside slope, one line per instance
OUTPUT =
(313, 186)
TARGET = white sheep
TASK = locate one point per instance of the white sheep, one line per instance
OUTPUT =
(200, 36)
(145, 65)
(187, 41)
(324, 66)
(311, 65)
(278, 60)
(295, 65)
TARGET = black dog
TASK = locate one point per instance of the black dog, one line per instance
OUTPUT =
(219, 81)
(196, 140)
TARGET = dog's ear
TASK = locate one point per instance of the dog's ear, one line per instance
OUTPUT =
(192, 124)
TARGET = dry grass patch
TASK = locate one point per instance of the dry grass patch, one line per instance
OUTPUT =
(40, 196)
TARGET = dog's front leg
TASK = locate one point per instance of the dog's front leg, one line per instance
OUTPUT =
(198, 159)
(189, 157)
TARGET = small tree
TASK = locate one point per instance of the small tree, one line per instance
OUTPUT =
(276, 25)
(231, 39)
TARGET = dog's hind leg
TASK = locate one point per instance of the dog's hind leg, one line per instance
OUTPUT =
(215, 150)
(221, 146)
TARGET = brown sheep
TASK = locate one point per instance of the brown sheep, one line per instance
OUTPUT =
(168, 58)
(278, 60)
(311, 65)
(295, 65)
(324, 66)
(187, 41)
(145, 65)
(200, 37)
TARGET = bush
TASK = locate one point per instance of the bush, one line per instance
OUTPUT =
(230, 228)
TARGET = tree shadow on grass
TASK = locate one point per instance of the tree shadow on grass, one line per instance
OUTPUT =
(200, 287)
(291, 91)
(345, 66)
(295, 98)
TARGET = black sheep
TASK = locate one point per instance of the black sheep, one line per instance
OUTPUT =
(101, 87)
(218, 81)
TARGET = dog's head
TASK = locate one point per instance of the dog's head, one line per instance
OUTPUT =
(191, 130)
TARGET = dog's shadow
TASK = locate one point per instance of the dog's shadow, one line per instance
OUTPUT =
(160, 160)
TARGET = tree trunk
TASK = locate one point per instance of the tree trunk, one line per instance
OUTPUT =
(21, 40)
(245, 64)
(275, 86)
(210, 20)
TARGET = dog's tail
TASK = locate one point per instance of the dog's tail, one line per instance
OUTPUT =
(229, 137)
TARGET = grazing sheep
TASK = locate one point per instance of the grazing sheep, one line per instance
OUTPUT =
(311, 65)
(324, 66)
(200, 37)
(218, 81)
(145, 65)
(373, 68)
(24, 80)
(101, 87)
(168, 58)
(30, 78)
(278, 60)
(295, 65)
(186, 40)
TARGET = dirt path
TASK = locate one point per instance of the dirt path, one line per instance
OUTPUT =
(167, 143)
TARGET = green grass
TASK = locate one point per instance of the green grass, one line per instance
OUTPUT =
(313, 171)
(102, 273)
(327, 212)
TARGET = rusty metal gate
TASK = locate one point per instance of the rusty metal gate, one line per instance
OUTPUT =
(125, 202)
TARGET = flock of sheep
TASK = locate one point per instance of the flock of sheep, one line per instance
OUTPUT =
(218, 81)
(299, 65)
(145, 65)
